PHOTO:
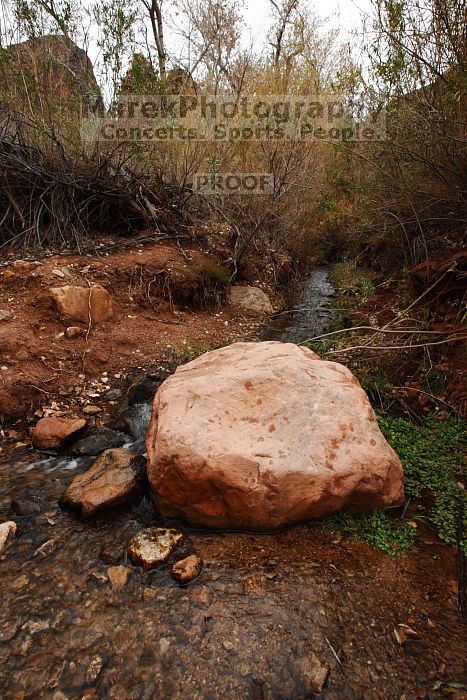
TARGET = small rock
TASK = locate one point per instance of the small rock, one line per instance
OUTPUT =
(251, 299)
(73, 332)
(94, 668)
(164, 645)
(26, 507)
(118, 577)
(20, 583)
(46, 549)
(149, 593)
(4, 315)
(228, 645)
(113, 394)
(80, 303)
(152, 547)
(114, 478)
(187, 569)
(314, 672)
(22, 355)
(51, 433)
(104, 439)
(7, 532)
(254, 584)
(97, 576)
(92, 410)
(36, 626)
(58, 273)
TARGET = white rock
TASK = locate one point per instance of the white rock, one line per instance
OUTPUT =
(152, 547)
(7, 531)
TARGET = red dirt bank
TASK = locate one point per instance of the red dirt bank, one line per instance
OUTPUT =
(159, 315)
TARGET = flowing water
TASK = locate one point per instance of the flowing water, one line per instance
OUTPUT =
(311, 315)
(247, 628)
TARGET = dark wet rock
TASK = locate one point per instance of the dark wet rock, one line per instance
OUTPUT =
(143, 391)
(111, 554)
(26, 507)
(133, 420)
(187, 570)
(314, 672)
(104, 439)
(114, 478)
(113, 394)
(52, 433)
(152, 547)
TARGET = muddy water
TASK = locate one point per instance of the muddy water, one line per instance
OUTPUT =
(245, 629)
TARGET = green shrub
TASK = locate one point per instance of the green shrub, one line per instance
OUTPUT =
(433, 458)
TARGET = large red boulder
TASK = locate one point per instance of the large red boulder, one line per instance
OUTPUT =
(261, 435)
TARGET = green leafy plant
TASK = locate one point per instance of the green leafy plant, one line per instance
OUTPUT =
(368, 289)
(434, 464)
(379, 529)
(433, 458)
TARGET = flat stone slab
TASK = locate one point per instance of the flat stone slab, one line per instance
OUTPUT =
(114, 478)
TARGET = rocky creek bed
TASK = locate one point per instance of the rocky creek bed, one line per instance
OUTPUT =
(301, 613)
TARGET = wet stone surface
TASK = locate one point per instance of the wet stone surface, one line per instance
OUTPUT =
(265, 615)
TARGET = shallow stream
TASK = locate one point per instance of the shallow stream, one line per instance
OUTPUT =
(247, 628)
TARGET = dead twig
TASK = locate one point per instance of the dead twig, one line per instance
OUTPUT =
(395, 347)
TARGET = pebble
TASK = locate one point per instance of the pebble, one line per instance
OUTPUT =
(187, 570)
(4, 315)
(20, 583)
(314, 672)
(152, 547)
(94, 668)
(118, 577)
(149, 593)
(73, 332)
(7, 532)
(92, 410)
(164, 645)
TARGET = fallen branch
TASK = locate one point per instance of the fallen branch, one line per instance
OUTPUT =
(404, 331)
(395, 347)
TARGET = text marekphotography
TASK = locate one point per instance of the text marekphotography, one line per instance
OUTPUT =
(203, 118)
